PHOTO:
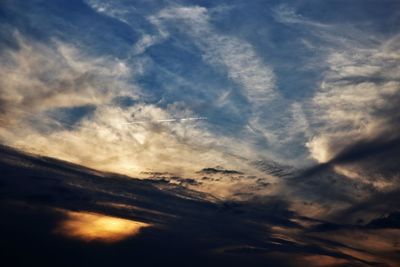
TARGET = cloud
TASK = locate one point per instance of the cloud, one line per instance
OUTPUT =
(104, 138)
(250, 81)
(38, 77)
(218, 170)
(64, 99)
(346, 117)
(249, 98)
(237, 56)
(351, 122)
(105, 141)
(67, 78)
(38, 103)
(272, 125)
(288, 15)
(352, 125)
(352, 119)
(356, 109)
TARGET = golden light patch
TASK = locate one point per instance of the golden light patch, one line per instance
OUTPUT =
(89, 226)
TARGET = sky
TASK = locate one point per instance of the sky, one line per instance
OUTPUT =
(236, 99)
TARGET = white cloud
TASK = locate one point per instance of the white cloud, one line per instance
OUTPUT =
(36, 77)
(359, 84)
(238, 57)
(358, 102)
(238, 60)
(108, 8)
(105, 140)
(287, 15)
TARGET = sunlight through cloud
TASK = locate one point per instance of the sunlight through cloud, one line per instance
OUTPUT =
(89, 226)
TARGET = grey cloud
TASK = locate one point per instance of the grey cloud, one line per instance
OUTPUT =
(218, 170)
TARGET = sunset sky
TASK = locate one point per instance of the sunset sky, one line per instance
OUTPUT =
(240, 100)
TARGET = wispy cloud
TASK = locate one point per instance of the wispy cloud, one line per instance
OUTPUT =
(168, 120)
(353, 104)
(356, 99)
(69, 79)
(37, 77)
(237, 56)
(269, 119)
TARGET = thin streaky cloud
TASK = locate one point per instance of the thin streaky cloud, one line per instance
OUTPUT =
(167, 120)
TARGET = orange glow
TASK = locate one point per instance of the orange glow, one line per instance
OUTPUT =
(89, 226)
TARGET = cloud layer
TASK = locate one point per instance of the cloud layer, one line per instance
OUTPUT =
(301, 92)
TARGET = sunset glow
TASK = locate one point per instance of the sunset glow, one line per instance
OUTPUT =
(89, 226)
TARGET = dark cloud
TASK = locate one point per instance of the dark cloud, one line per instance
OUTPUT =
(380, 149)
(187, 226)
(376, 204)
(391, 220)
(218, 170)
(364, 173)
(273, 168)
